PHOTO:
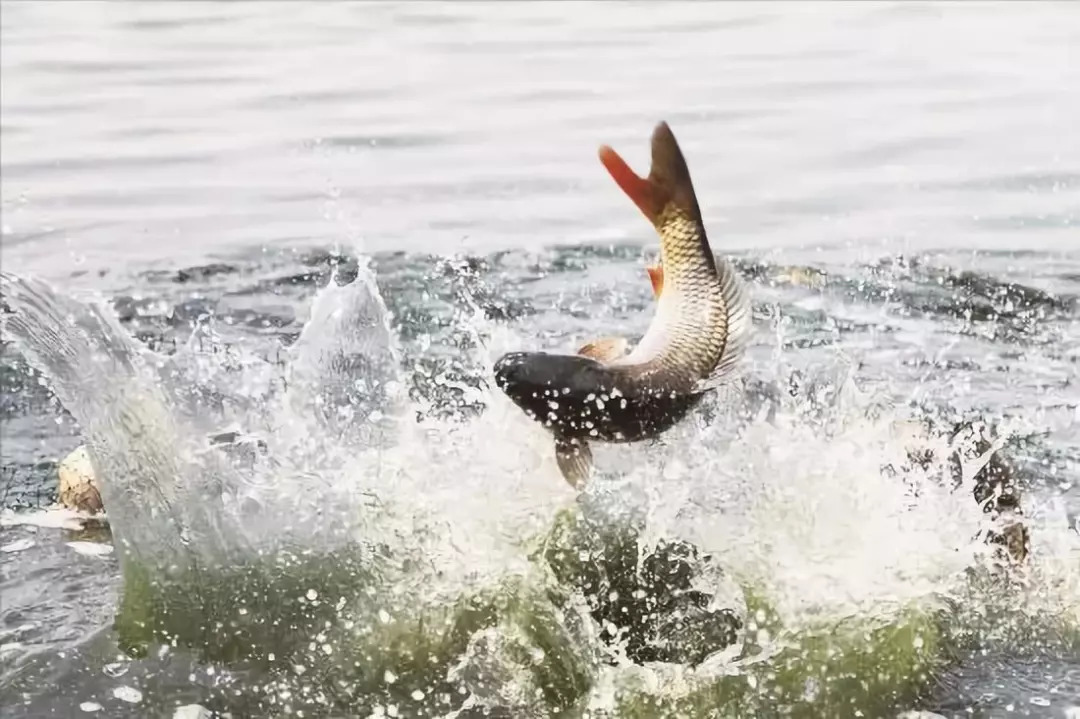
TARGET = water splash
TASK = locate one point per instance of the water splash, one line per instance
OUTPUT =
(408, 548)
(153, 481)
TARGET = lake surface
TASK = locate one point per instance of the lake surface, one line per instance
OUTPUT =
(168, 132)
(919, 163)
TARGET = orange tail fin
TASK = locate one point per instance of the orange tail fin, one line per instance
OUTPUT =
(668, 181)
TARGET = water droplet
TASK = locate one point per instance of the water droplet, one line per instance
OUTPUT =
(127, 694)
(191, 711)
(312, 595)
(116, 669)
(390, 677)
(417, 695)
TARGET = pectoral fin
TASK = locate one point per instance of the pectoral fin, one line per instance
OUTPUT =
(605, 349)
(575, 461)
(656, 277)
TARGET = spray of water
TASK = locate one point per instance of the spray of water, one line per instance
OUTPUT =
(405, 551)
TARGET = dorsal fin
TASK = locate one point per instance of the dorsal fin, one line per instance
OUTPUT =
(668, 180)
(740, 320)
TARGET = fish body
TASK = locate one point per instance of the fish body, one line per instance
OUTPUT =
(611, 393)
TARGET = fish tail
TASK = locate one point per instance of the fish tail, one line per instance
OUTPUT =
(668, 185)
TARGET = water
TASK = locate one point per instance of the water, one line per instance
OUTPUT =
(899, 183)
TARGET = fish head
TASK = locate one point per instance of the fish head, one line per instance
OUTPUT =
(548, 386)
(520, 374)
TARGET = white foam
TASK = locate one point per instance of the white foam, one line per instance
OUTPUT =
(52, 518)
(91, 549)
(19, 545)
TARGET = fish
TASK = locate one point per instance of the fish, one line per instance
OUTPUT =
(610, 392)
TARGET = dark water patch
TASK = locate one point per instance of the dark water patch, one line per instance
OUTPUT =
(33, 107)
(319, 97)
(532, 47)
(141, 132)
(681, 28)
(35, 439)
(82, 66)
(486, 187)
(1012, 182)
(819, 206)
(204, 272)
(22, 389)
(1006, 296)
(1042, 221)
(803, 89)
(178, 23)
(996, 685)
(27, 485)
(574, 258)
(104, 162)
(891, 151)
(757, 56)
(388, 142)
(545, 95)
(967, 101)
(189, 79)
(129, 309)
(714, 115)
(1011, 311)
(948, 365)
(417, 18)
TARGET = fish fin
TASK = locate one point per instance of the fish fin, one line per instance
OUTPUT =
(740, 321)
(656, 277)
(605, 349)
(575, 461)
(668, 181)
